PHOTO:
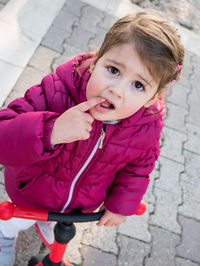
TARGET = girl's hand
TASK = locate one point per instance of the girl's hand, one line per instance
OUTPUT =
(74, 124)
(111, 219)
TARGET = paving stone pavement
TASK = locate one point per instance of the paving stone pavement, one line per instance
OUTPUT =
(169, 232)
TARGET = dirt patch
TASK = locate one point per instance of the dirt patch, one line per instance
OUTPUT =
(185, 13)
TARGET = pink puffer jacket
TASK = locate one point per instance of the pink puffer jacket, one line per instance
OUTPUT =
(77, 175)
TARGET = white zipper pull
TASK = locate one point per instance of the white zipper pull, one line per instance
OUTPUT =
(103, 134)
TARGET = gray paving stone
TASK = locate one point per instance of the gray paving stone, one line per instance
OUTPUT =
(190, 244)
(80, 38)
(43, 58)
(3, 194)
(191, 203)
(184, 262)
(179, 95)
(165, 214)
(73, 253)
(71, 50)
(60, 60)
(101, 4)
(192, 166)
(90, 22)
(96, 41)
(68, 54)
(196, 67)
(169, 176)
(137, 226)
(108, 20)
(101, 237)
(62, 27)
(172, 144)
(185, 78)
(195, 60)
(54, 38)
(188, 59)
(131, 252)
(190, 185)
(8, 81)
(74, 7)
(28, 244)
(163, 248)
(193, 138)
(65, 20)
(94, 257)
(29, 77)
(1, 175)
(149, 196)
(193, 99)
(176, 117)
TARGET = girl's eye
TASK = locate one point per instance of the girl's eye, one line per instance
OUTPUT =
(113, 70)
(138, 85)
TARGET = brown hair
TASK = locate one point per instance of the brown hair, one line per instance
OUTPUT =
(156, 41)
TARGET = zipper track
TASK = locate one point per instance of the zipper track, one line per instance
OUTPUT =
(78, 175)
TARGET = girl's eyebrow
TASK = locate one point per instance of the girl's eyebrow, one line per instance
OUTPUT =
(116, 63)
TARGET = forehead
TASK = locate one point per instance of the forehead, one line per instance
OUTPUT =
(124, 55)
(127, 57)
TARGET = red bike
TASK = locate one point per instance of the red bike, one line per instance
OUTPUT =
(64, 229)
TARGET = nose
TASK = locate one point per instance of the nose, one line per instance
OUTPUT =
(116, 90)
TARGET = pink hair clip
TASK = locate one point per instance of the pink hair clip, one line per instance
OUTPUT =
(179, 68)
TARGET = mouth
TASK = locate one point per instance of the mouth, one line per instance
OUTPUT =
(107, 105)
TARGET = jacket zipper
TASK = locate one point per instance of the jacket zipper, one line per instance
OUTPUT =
(102, 137)
(99, 145)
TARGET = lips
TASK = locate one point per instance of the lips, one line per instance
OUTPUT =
(108, 105)
(105, 106)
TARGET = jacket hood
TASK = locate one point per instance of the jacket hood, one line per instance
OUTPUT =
(146, 115)
(75, 75)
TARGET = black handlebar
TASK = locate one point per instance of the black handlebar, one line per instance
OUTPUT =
(75, 217)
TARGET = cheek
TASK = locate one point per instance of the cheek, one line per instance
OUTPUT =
(89, 89)
(131, 107)
(93, 87)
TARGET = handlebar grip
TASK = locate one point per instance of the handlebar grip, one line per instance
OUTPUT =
(75, 217)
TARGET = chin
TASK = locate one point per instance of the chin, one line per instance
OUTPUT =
(98, 116)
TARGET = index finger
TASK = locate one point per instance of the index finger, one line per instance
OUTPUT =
(85, 106)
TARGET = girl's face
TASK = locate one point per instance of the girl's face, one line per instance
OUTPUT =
(123, 81)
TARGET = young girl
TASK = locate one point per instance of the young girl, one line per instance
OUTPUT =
(89, 134)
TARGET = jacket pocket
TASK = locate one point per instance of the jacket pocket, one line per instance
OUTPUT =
(27, 177)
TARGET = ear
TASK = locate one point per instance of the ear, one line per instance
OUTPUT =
(153, 99)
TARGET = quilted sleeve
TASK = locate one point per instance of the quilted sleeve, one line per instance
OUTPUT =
(131, 184)
(26, 126)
